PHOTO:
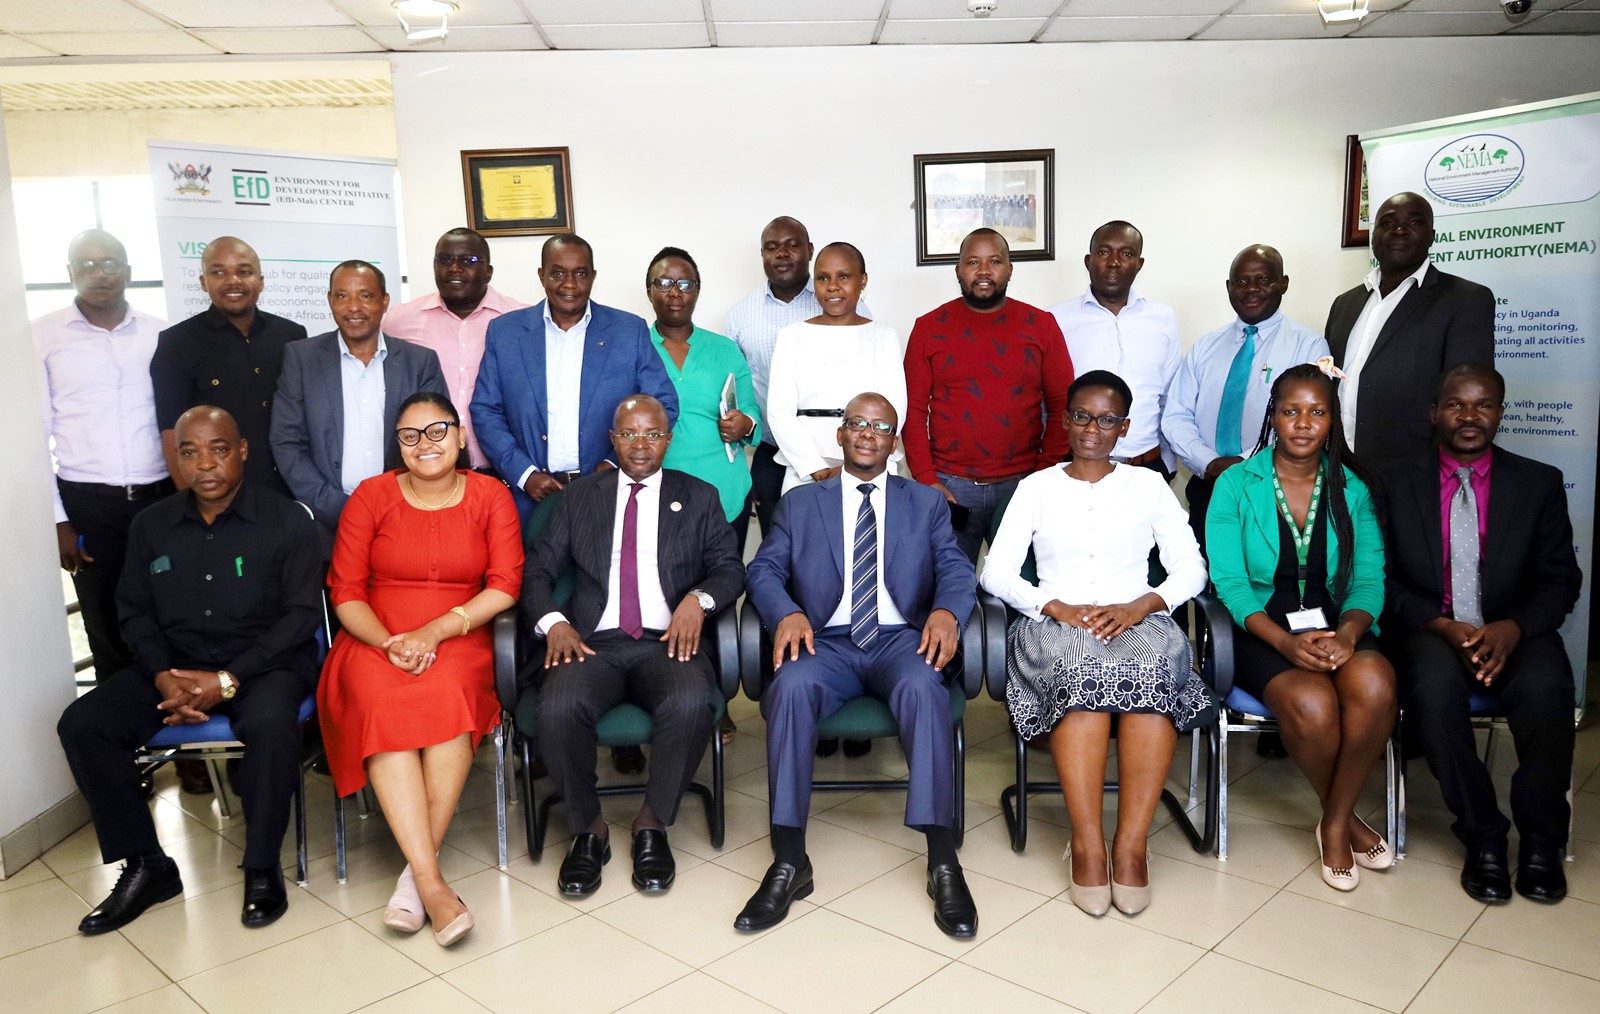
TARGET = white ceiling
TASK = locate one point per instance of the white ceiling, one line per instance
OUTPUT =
(30, 29)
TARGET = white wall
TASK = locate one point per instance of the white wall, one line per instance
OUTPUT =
(1206, 146)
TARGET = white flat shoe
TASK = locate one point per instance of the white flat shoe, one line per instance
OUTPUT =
(405, 912)
(1094, 900)
(1379, 856)
(1340, 878)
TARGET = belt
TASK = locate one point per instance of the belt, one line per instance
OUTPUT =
(565, 477)
(147, 491)
(820, 413)
(992, 482)
(1141, 459)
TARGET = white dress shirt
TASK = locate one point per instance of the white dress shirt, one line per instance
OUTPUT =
(888, 615)
(97, 400)
(1189, 420)
(563, 380)
(362, 385)
(1139, 344)
(824, 366)
(655, 613)
(1364, 334)
(1092, 542)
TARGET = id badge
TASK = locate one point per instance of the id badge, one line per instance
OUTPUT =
(1306, 619)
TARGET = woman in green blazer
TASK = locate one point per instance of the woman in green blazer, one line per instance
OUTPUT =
(1296, 554)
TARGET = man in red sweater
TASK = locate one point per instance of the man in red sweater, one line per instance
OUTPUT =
(986, 392)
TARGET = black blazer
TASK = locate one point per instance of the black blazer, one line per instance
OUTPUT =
(1529, 570)
(695, 548)
(1441, 323)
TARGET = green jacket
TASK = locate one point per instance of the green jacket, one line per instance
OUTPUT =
(1242, 541)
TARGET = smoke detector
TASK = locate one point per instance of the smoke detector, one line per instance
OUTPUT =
(981, 8)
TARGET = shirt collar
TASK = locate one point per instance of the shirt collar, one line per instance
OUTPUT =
(655, 336)
(1134, 296)
(77, 317)
(217, 320)
(1376, 275)
(1480, 468)
(492, 301)
(850, 482)
(380, 355)
(805, 290)
(244, 505)
(1261, 328)
(652, 482)
(588, 311)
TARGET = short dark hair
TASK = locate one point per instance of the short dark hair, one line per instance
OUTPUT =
(566, 239)
(383, 283)
(462, 232)
(1094, 237)
(1476, 369)
(840, 244)
(671, 251)
(433, 398)
(984, 230)
(1106, 379)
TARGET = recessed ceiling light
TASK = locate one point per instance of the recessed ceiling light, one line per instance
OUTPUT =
(426, 9)
(1341, 10)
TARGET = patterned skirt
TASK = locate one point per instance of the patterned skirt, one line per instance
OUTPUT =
(1053, 668)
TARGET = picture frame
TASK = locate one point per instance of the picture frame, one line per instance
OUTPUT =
(1012, 192)
(518, 191)
(1356, 231)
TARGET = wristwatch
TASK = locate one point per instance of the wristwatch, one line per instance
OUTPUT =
(230, 685)
(706, 601)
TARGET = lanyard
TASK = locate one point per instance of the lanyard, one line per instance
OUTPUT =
(1301, 538)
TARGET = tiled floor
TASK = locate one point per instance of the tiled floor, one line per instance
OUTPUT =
(1257, 933)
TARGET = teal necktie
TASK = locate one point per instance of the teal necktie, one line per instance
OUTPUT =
(1230, 414)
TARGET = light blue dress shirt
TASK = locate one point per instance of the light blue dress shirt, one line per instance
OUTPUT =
(563, 378)
(364, 439)
(1189, 420)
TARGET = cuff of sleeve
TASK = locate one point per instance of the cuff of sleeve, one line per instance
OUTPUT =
(152, 663)
(248, 664)
(548, 620)
(522, 480)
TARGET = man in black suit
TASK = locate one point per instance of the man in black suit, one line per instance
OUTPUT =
(1476, 593)
(1398, 330)
(651, 558)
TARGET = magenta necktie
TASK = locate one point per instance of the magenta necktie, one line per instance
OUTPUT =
(628, 582)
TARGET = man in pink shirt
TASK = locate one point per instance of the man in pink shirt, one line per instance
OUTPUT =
(452, 321)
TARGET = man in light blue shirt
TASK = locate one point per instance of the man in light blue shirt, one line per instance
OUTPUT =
(1218, 400)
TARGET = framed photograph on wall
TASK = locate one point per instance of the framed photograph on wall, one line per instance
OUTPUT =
(1357, 202)
(518, 191)
(1012, 192)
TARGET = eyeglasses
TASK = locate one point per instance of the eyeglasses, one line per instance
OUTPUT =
(110, 265)
(629, 436)
(875, 425)
(435, 432)
(684, 285)
(1106, 422)
(457, 260)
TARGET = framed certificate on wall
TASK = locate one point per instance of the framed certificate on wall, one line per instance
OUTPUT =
(518, 191)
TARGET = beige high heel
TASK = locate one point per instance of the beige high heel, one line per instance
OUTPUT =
(405, 912)
(1130, 900)
(1094, 900)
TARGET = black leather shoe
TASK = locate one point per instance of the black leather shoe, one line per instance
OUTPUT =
(264, 898)
(140, 885)
(628, 760)
(580, 871)
(1540, 875)
(954, 911)
(827, 747)
(653, 865)
(1486, 877)
(857, 747)
(782, 886)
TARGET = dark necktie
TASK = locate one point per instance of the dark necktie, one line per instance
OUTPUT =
(864, 568)
(1464, 551)
(628, 580)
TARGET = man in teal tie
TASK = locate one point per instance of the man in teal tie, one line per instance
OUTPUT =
(1217, 402)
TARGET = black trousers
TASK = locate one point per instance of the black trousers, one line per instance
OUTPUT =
(102, 519)
(766, 485)
(1536, 692)
(574, 696)
(1198, 492)
(101, 730)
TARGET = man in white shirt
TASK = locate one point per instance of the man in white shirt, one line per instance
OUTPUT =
(99, 412)
(1112, 326)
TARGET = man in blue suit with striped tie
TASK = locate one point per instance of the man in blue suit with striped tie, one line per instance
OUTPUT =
(864, 589)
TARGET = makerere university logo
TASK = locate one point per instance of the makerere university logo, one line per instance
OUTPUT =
(191, 179)
(1474, 170)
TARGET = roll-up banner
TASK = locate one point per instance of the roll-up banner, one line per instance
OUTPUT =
(303, 214)
(1516, 198)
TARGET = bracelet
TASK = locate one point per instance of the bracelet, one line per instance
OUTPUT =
(466, 621)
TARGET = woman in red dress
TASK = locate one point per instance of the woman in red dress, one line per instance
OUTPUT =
(425, 558)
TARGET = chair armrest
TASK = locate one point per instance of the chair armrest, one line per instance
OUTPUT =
(725, 628)
(995, 623)
(1216, 643)
(505, 658)
(753, 663)
(974, 659)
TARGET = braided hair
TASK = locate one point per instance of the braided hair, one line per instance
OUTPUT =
(1340, 457)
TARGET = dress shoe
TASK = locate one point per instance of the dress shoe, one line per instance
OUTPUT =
(193, 778)
(580, 871)
(1485, 876)
(1270, 745)
(405, 912)
(827, 747)
(780, 887)
(954, 911)
(140, 885)
(1340, 878)
(1130, 900)
(1094, 900)
(628, 760)
(264, 897)
(1540, 876)
(457, 928)
(653, 865)
(1378, 857)
(857, 747)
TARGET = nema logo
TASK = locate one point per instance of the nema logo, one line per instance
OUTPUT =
(1474, 169)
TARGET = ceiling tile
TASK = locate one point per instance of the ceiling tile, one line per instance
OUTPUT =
(167, 42)
(1106, 8)
(1407, 24)
(616, 12)
(1123, 29)
(1305, 6)
(804, 33)
(13, 48)
(935, 10)
(277, 14)
(467, 38)
(292, 40)
(1581, 22)
(681, 36)
(1276, 26)
(976, 30)
(380, 13)
(1467, 6)
(798, 10)
(1586, 5)
(24, 17)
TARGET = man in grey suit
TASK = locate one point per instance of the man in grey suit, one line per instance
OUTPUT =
(650, 555)
(339, 395)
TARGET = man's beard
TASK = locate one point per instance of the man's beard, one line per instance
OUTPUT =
(988, 303)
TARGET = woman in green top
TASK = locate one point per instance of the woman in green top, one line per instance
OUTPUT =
(706, 442)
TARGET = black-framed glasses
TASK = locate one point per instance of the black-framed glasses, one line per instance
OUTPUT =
(875, 425)
(436, 432)
(683, 285)
(457, 260)
(1106, 422)
(110, 265)
(629, 436)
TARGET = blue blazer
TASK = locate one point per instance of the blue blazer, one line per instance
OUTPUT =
(509, 404)
(800, 566)
(308, 415)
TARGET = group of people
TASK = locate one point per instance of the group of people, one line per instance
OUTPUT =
(463, 454)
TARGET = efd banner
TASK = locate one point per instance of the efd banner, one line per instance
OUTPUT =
(1516, 198)
(303, 214)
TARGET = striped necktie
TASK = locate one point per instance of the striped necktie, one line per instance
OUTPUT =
(864, 568)
(1464, 601)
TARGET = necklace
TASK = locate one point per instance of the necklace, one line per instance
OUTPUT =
(425, 505)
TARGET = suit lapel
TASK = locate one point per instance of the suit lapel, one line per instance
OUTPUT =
(332, 374)
(831, 505)
(1264, 508)
(669, 526)
(594, 416)
(394, 392)
(1504, 493)
(1425, 488)
(1409, 303)
(897, 506)
(605, 520)
(533, 361)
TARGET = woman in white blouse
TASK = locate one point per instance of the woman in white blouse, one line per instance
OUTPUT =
(818, 365)
(1095, 640)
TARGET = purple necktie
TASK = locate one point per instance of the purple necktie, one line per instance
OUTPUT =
(628, 581)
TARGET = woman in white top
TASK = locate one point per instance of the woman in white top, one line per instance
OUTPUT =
(818, 365)
(1095, 640)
